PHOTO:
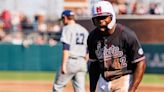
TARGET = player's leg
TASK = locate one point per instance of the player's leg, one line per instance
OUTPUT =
(122, 84)
(79, 69)
(79, 82)
(94, 73)
(61, 81)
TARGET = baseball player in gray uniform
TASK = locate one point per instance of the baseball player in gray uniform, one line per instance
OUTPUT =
(74, 60)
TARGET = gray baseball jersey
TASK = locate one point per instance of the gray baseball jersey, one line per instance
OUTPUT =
(76, 36)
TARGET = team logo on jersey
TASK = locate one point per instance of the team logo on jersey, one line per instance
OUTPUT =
(111, 55)
(112, 52)
(140, 51)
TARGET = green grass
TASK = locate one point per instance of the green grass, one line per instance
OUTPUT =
(153, 78)
(49, 76)
(25, 75)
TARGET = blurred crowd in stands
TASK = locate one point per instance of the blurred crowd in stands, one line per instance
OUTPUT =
(139, 7)
(18, 28)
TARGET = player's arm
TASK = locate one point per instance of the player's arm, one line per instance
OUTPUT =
(138, 74)
(65, 39)
(65, 57)
(136, 55)
(93, 65)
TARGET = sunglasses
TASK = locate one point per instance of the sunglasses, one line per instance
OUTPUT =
(101, 17)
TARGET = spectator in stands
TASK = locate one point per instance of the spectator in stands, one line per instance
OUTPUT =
(6, 19)
(133, 7)
(122, 7)
(39, 40)
(2, 35)
(35, 23)
(25, 23)
(152, 8)
(17, 38)
(15, 20)
(1, 24)
(52, 42)
(159, 9)
(141, 9)
(39, 23)
(54, 27)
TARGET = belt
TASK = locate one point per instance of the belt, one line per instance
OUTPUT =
(76, 57)
(93, 60)
(113, 77)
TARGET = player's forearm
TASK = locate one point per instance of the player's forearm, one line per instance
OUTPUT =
(138, 74)
(65, 57)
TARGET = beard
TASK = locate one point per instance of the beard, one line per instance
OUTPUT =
(103, 30)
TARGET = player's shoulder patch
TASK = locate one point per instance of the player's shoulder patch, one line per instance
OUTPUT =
(140, 51)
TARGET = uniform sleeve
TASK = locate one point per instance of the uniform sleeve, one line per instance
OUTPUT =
(136, 52)
(66, 36)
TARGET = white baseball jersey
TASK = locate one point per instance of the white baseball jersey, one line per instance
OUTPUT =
(76, 36)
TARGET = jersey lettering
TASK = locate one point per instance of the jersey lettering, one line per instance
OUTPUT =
(80, 38)
(112, 56)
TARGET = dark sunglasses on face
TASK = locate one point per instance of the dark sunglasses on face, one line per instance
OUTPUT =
(96, 20)
(101, 17)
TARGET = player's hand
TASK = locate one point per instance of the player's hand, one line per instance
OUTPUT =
(86, 57)
(63, 69)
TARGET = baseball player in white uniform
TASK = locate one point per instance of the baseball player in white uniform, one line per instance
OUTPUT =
(74, 60)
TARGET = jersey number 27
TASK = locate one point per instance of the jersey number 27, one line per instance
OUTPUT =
(80, 38)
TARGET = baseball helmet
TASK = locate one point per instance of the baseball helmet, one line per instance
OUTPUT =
(104, 8)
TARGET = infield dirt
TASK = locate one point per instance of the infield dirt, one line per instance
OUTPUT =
(46, 86)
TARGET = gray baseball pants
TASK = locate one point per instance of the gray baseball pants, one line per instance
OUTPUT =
(76, 71)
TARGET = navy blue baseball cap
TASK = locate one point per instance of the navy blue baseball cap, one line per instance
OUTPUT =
(67, 13)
